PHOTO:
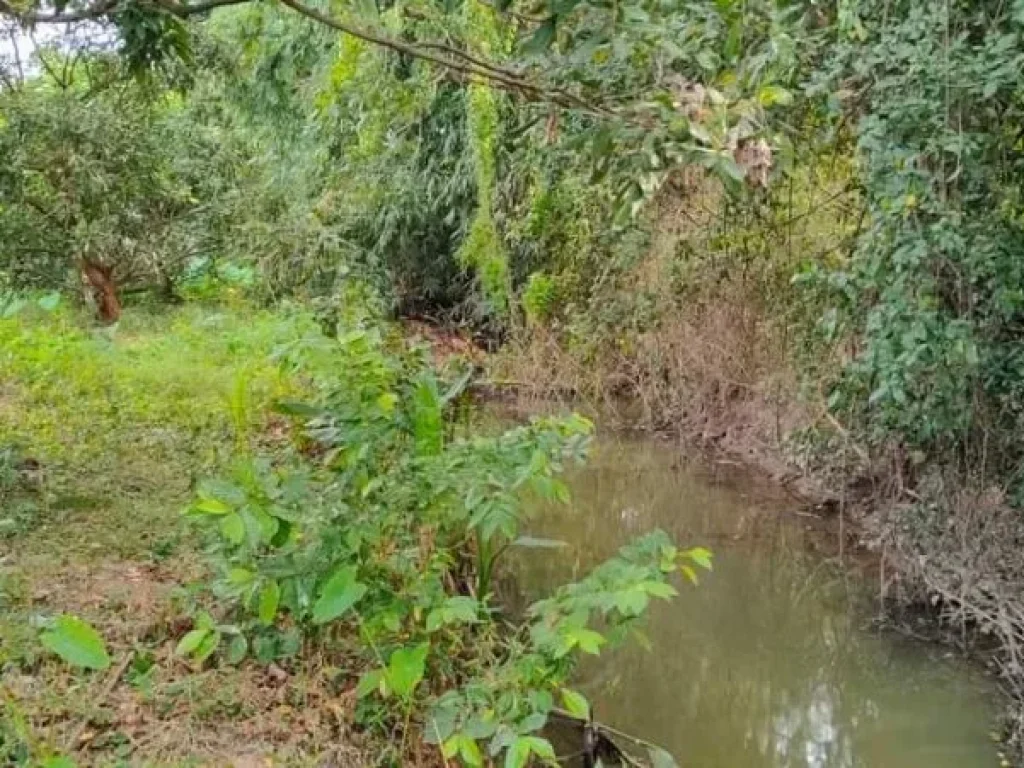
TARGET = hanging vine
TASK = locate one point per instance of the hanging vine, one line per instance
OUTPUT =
(482, 248)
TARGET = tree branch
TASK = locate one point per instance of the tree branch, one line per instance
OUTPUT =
(523, 17)
(93, 12)
(446, 55)
(104, 8)
(464, 63)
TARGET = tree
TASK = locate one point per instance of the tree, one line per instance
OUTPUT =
(86, 184)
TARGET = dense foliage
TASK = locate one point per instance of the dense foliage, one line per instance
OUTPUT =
(393, 534)
(805, 211)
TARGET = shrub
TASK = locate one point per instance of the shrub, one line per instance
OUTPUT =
(392, 536)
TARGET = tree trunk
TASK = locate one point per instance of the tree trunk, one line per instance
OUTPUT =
(104, 290)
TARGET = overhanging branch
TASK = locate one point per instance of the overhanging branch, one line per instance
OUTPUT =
(459, 61)
(438, 53)
(104, 8)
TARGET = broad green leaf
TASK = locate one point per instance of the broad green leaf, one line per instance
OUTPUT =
(369, 682)
(481, 726)
(340, 593)
(12, 307)
(659, 589)
(461, 609)
(59, 761)
(701, 134)
(632, 602)
(289, 643)
(562, 493)
(466, 748)
(576, 704)
(387, 402)
(222, 490)
(660, 758)
(265, 523)
(701, 556)
(518, 754)
(440, 725)
(265, 649)
(237, 649)
(668, 558)
(270, 597)
(207, 645)
(191, 641)
(470, 753)
(690, 574)
(450, 748)
(588, 640)
(770, 95)
(540, 700)
(77, 643)
(726, 165)
(504, 737)
(199, 643)
(532, 722)
(406, 668)
(284, 530)
(232, 528)
(541, 748)
(241, 577)
(210, 507)
(435, 620)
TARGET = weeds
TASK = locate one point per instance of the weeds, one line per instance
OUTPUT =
(111, 427)
(355, 532)
(382, 552)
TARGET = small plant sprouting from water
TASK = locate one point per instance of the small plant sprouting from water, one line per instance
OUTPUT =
(379, 540)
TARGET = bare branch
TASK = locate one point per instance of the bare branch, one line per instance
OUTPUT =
(16, 50)
(41, 57)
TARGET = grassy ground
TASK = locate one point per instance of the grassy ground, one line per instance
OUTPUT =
(102, 436)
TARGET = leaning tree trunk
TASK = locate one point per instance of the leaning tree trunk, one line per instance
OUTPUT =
(104, 290)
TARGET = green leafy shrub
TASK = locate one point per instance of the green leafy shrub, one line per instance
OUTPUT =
(391, 540)
(539, 296)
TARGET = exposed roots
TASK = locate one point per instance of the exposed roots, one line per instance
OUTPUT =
(960, 551)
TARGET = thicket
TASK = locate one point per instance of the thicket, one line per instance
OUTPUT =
(384, 549)
(804, 213)
(368, 539)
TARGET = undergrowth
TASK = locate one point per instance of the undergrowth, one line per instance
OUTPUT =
(106, 416)
(103, 434)
(339, 584)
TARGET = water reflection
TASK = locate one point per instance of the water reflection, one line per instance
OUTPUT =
(765, 664)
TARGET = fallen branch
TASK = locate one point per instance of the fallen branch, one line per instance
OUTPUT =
(108, 687)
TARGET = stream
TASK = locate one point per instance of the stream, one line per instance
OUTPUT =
(770, 662)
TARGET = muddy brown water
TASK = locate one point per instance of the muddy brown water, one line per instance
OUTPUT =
(771, 661)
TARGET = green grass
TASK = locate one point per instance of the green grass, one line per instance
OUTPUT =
(122, 422)
(103, 434)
